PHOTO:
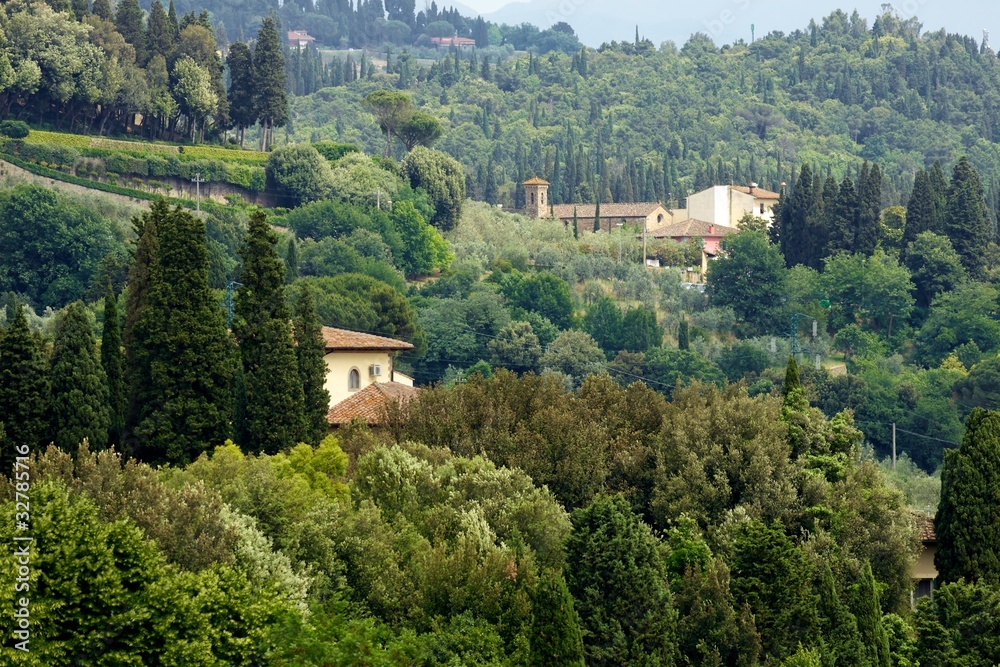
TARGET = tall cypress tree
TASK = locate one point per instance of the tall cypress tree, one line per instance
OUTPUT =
(292, 260)
(269, 76)
(842, 219)
(81, 9)
(79, 400)
(968, 517)
(183, 346)
(137, 368)
(791, 378)
(310, 350)
(869, 230)
(968, 219)
(683, 336)
(838, 626)
(939, 186)
(597, 216)
(102, 9)
(242, 88)
(796, 216)
(160, 32)
(129, 22)
(921, 213)
(24, 389)
(274, 400)
(113, 364)
(868, 612)
(555, 636)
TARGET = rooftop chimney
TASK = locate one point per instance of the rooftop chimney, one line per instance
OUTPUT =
(711, 230)
(753, 186)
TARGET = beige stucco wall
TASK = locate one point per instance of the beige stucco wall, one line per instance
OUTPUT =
(924, 569)
(339, 365)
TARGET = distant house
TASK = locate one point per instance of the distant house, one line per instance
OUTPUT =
(924, 572)
(457, 42)
(360, 375)
(727, 204)
(638, 214)
(709, 233)
(299, 39)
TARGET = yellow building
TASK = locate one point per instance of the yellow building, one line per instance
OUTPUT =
(635, 215)
(360, 374)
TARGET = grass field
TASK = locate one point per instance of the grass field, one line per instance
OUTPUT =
(83, 142)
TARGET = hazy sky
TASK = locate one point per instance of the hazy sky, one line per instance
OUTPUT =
(724, 20)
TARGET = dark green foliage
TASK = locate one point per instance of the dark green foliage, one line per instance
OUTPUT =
(683, 335)
(640, 331)
(310, 349)
(968, 518)
(242, 87)
(868, 612)
(333, 151)
(842, 218)
(15, 129)
(742, 359)
(159, 31)
(603, 321)
(516, 347)
(934, 265)
(555, 628)
(442, 178)
(967, 221)
(129, 22)
(959, 627)
(666, 367)
(750, 279)
(138, 374)
(50, 246)
(869, 230)
(772, 575)
(791, 378)
(113, 363)
(617, 577)
(842, 644)
(271, 100)
(79, 400)
(543, 293)
(921, 210)
(299, 173)
(180, 347)
(363, 303)
(292, 260)
(273, 417)
(24, 390)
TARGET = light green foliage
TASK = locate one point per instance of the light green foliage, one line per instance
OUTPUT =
(442, 178)
(935, 266)
(516, 347)
(300, 173)
(958, 317)
(749, 278)
(575, 354)
(921, 490)
(874, 292)
(355, 178)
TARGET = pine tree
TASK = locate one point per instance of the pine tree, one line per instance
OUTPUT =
(310, 351)
(262, 326)
(291, 261)
(968, 219)
(868, 612)
(555, 628)
(796, 217)
(242, 88)
(78, 406)
(968, 517)
(160, 33)
(269, 77)
(842, 219)
(113, 364)
(838, 626)
(81, 9)
(683, 336)
(24, 390)
(869, 230)
(102, 9)
(129, 22)
(185, 404)
(791, 378)
(921, 213)
(137, 368)
(939, 186)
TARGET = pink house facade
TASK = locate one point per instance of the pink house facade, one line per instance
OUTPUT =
(709, 233)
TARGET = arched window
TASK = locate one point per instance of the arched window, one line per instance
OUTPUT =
(354, 380)
(659, 218)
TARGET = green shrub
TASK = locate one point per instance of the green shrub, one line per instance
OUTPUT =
(15, 129)
(333, 151)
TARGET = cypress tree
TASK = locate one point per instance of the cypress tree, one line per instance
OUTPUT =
(576, 233)
(129, 22)
(683, 336)
(842, 219)
(869, 230)
(242, 102)
(597, 216)
(791, 378)
(968, 517)
(24, 389)
(921, 213)
(310, 350)
(160, 33)
(796, 215)
(939, 186)
(868, 612)
(113, 364)
(555, 636)
(291, 261)
(102, 9)
(78, 405)
(137, 368)
(185, 353)
(968, 219)
(273, 417)
(838, 626)
(269, 76)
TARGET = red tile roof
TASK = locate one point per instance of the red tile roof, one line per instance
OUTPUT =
(294, 35)
(535, 181)
(692, 228)
(370, 403)
(608, 211)
(453, 41)
(927, 534)
(342, 339)
(759, 193)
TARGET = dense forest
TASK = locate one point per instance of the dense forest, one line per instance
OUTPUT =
(606, 464)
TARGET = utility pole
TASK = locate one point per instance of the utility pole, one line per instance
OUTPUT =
(197, 184)
(894, 446)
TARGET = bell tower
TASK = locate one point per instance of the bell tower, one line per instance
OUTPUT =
(536, 197)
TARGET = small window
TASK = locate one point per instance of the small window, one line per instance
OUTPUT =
(542, 195)
(354, 380)
(532, 197)
(762, 209)
(659, 218)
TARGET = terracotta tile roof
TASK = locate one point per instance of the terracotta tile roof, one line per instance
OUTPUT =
(453, 41)
(692, 228)
(927, 533)
(300, 34)
(536, 181)
(342, 339)
(369, 403)
(608, 211)
(759, 193)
